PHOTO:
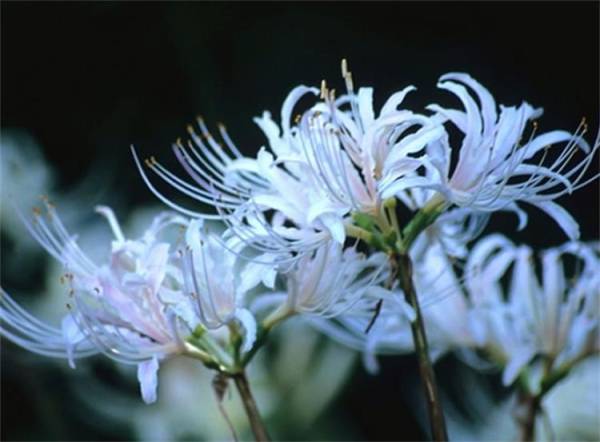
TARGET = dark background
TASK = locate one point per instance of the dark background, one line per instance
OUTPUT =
(89, 79)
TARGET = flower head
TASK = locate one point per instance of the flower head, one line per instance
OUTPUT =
(120, 308)
(555, 317)
(216, 279)
(499, 163)
(326, 284)
(444, 304)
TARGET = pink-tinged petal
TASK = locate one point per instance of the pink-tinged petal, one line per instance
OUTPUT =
(147, 374)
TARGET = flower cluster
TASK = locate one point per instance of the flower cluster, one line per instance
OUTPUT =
(152, 297)
(316, 226)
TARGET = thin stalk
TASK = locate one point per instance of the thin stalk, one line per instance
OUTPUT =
(434, 406)
(258, 427)
(531, 402)
(532, 406)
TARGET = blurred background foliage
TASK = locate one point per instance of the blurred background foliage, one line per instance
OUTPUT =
(82, 81)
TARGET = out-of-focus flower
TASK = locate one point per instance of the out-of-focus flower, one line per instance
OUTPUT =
(491, 420)
(328, 283)
(581, 422)
(555, 318)
(24, 174)
(498, 164)
(120, 308)
(445, 309)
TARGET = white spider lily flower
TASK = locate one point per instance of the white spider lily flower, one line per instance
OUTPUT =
(240, 190)
(212, 279)
(555, 317)
(499, 165)
(354, 154)
(337, 158)
(444, 305)
(325, 284)
(120, 308)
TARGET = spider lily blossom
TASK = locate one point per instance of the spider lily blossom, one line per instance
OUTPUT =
(215, 278)
(337, 158)
(325, 284)
(240, 190)
(120, 308)
(555, 318)
(297, 193)
(444, 304)
(352, 153)
(499, 165)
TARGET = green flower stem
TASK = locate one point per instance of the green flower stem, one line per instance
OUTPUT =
(277, 316)
(532, 404)
(434, 406)
(422, 219)
(258, 427)
(533, 401)
(357, 232)
(220, 359)
(402, 264)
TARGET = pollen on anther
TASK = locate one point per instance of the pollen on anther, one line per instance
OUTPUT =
(323, 89)
(344, 67)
